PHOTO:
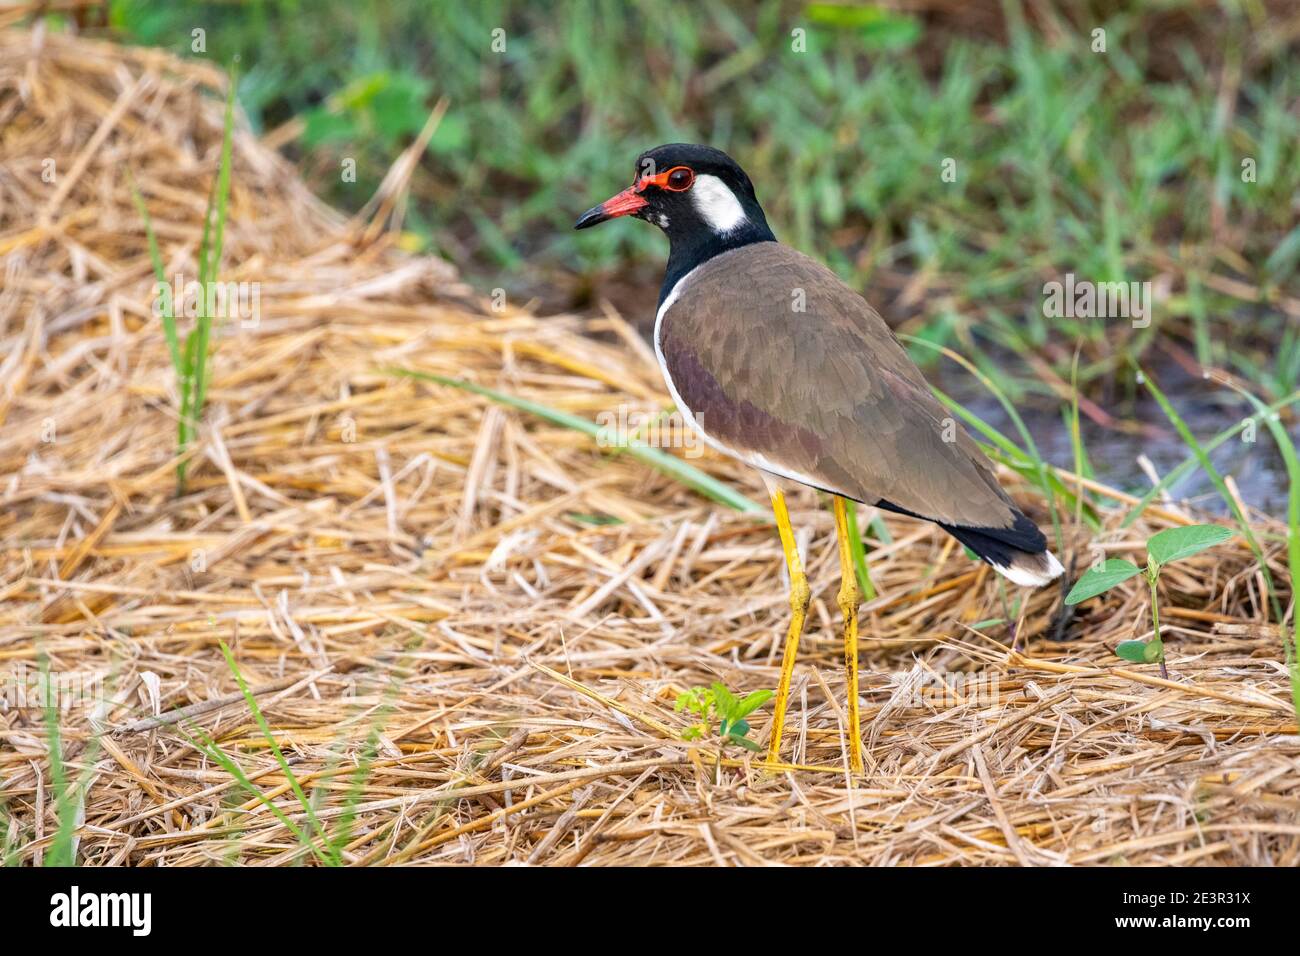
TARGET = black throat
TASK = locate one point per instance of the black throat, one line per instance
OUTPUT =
(694, 247)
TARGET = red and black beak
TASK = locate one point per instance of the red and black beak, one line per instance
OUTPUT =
(628, 201)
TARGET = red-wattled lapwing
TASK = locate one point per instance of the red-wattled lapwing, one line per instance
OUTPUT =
(775, 361)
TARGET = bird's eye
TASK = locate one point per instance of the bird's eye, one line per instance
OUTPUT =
(680, 179)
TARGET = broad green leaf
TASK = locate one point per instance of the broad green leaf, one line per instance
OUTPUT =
(696, 700)
(746, 743)
(724, 699)
(323, 125)
(736, 728)
(398, 109)
(1135, 651)
(1141, 652)
(1098, 580)
(1174, 544)
(452, 134)
(752, 702)
(358, 94)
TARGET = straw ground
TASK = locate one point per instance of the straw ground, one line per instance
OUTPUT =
(464, 627)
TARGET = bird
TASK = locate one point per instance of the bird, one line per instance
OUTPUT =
(773, 360)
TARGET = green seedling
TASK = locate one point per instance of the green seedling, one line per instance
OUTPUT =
(1164, 548)
(717, 705)
(190, 359)
(330, 855)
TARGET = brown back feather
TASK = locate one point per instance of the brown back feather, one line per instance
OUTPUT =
(828, 393)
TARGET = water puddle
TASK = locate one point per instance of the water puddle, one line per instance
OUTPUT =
(1255, 466)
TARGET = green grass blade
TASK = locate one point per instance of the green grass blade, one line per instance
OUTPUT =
(1076, 437)
(357, 787)
(180, 360)
(858, 549)
(70, 798)
(60, 853)
(185, 426)
(160, 273)
(670, 465)
(196, 343)
(203, 742)
(214, 231)
(1287, 449)
(356, 791)
(275, 750)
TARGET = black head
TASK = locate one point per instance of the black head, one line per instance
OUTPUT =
(699, 196)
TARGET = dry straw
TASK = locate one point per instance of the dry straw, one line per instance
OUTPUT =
(405, 568)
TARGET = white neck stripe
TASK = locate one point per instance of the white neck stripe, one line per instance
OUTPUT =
(717, 204)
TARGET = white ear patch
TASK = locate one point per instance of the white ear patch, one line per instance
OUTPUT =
(717, 204)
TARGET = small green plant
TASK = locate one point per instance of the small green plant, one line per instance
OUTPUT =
(63, 851)
(716, 704)
(190, 360)
(69, 795)
(330, 855)
(1164, 548)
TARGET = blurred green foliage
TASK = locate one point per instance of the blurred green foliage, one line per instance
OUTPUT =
(1125, 164)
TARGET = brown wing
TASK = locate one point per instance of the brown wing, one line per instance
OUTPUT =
(826, 394)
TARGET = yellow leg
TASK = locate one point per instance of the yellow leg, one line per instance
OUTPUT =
(848, 601)
(799, 595)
